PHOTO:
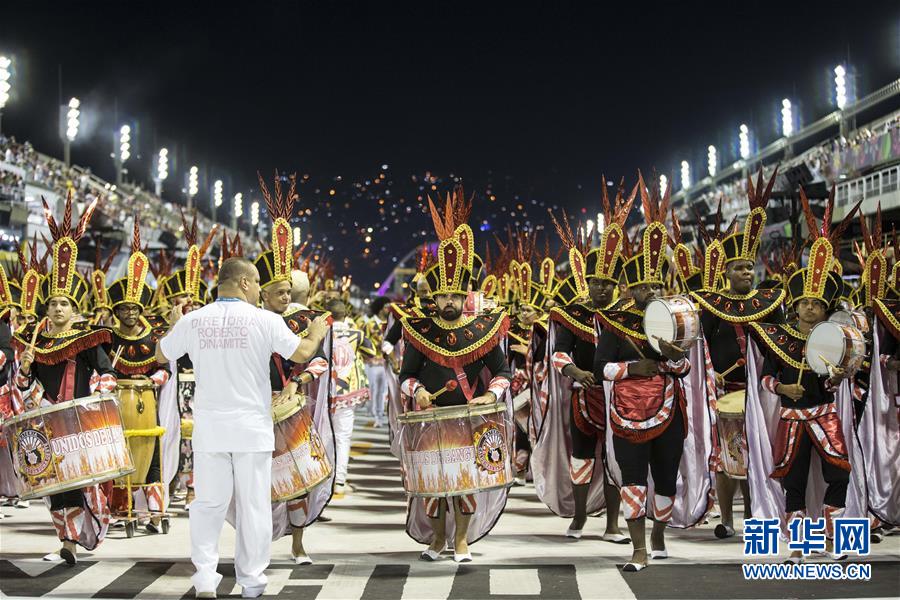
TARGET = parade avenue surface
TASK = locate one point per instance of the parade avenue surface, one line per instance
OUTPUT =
(365, 553)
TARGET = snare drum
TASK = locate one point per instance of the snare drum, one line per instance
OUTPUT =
(137, 402)
(856, 318)
(522, 409)
(837, 345)
(299, 462)
(68, 446)
(730, 425)
(456, 450)
(674, 319)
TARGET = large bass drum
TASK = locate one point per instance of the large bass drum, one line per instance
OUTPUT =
(137, 402)
(674, 319)
(299, 462)
(456, 450)
(68, 446)
(836, 345)
(854, 317)
(730, 426)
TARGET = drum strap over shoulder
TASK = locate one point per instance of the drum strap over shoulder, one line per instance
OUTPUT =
(280, 368)
(67, 384)
(741, 338)
(463, 380)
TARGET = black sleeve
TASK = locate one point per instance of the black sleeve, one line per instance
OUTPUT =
(710, 324)
(607, 352)
(770, 366)
(565, 341)
(538, 346)
(394, 333)
(776, 316)
(413, 361)
(98, 360)
(495, 361)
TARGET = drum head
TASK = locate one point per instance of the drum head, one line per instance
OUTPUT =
(732, 403)
(658, 321)
(825, 341)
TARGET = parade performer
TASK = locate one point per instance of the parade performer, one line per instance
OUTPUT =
(653, 407)
(275, 279)
(134, 340)
(185, 289)
(374, 328)
(60, 366)
(726, 318)
(804, 403)
(878, 420)
(569, 453)
(462, 349)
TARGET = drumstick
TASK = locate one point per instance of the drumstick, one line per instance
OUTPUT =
(800, 375)
(740, 363)
(828, 365)
(116, 356)
(34, 334)
(633, 345)
(448, 387)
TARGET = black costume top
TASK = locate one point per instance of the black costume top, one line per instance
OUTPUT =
(783, 346)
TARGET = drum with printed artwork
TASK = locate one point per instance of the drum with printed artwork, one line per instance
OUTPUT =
(68, 446)
(730, 424)
(456, 450)
(854, 317)
(299, 462)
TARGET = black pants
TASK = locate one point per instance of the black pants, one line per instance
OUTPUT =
(584, 445)
(153, 473)
(72, 499)
(662, 455)
(794, 482)
(522, 442)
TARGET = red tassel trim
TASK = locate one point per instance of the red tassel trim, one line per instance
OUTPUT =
(67, 350)
(577, 330)
(143, 368)
(460, 361)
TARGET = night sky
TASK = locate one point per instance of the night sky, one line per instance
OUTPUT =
(528, 102)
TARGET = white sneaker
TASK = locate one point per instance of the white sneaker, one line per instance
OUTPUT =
(302, 559)
(253, 592)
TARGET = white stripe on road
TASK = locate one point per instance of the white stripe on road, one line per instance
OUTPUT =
(175, 583)
(602, 582)
(515, 582)
(93, 579)
(346, 581)
(429, 580)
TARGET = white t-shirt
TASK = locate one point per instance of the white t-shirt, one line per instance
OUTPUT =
(230, 343)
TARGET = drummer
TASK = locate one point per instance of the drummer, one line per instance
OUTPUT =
(185, 289)
(450, 347)
(579, 393)
(60, 366)
(134, 338)
(807, 400)
(647, 404)
(276, 292)
(725, 320)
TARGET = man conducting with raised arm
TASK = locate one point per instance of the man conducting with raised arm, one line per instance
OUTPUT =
(230, 343)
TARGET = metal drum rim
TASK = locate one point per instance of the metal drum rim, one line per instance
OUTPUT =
(441, 413)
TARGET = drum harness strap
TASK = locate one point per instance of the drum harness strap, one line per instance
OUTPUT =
(67, 385)
(464, 383)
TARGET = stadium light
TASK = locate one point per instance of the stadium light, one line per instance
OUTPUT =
(72, 119)
(663, 184)
(840, 86)
(162, 164)
(712, 160)
(5, 85)
(787, 118)
(193, 188)
(298, 236)
(744, 138)
(217, 193)
(254, 214)
(71, 113)
(238, 209)
(685, 175)
(124, 143)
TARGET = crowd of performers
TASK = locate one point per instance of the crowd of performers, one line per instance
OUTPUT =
(496, 371)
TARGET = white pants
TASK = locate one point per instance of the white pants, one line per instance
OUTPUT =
(377, 390)
(219, 476)
(342, 422)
